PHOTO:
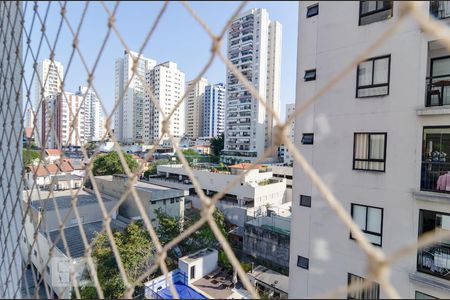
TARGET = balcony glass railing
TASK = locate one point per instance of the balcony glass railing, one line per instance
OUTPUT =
(440, 9)
(435, 176)
(438, 91)
(435, 171)
(435, 260)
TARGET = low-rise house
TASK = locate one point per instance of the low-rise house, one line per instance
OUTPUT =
(52, 155)
(42, 242)
(153, 197)
(268, 283)
(59, 175)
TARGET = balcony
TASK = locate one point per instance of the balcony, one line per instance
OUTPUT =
(435, 259)
(440, 9)
(435, 171)
(438, 91)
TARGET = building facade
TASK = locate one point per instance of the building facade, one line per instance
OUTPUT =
(379, 138)
(166, 83)
(49, 76)
(194, 107)
(254, 47)
(213, 110)
(129, 116)
(93, 114)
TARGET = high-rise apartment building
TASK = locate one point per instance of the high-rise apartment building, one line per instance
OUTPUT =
(128, 118)
(213, 110)
(194, 108)
(254, 47)
(63, 120)
(380, 139)
(29, 117)
(93, 115)
(166, 82)
(287, 155)
(49, 76)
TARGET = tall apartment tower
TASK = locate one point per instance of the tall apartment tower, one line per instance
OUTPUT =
(254, 47)
(29, 117)
(194, 108)
(381, 142)
(167, 83)
(47, 83)
(63, 120)
(213, 110)
(93, 115)
(287, 157)
(128, 118)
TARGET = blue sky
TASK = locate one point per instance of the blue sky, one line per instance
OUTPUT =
(178, 38)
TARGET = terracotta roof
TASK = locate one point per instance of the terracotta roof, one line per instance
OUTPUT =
(245, 166)
(44, 170)
(54, 152)
(65, 166)
(28, 133)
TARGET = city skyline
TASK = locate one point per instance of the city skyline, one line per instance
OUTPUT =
(191, 36)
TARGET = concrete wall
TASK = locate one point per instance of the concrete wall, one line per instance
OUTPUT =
(203, 265)
(11, 126)
(267, 244)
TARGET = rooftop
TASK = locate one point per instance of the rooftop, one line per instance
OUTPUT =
(63, 199)
(270, 277)
(73, 236)
(54, 152)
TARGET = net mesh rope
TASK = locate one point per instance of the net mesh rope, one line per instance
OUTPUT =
(17, 50)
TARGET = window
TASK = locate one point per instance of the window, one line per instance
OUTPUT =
(35, 253)
(371, 292)
(435, 173)
(433, 259)
(374, 11)
(153, 202)
(369, 151)
(48, 270)
(310, 75)
(312, 10)
(370, 220)
(420, 295)
(303, 262)
(305, 200)
(372, 77)
(438, 90)
(308, 139)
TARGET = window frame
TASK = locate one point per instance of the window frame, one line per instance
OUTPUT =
(364, 230)
(360, 16)
(310, 79)
(302, 203)
(388, 84)
(377, 285)
(368, 150)
(305, 260)
(307, 134)
(310, 8)
(425, 294)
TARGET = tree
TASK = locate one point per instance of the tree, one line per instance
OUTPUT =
(217, 144)
(190, 152)
(153, 167)
(170, 227)
(109, 164)
(29, 156)
(136, 252)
